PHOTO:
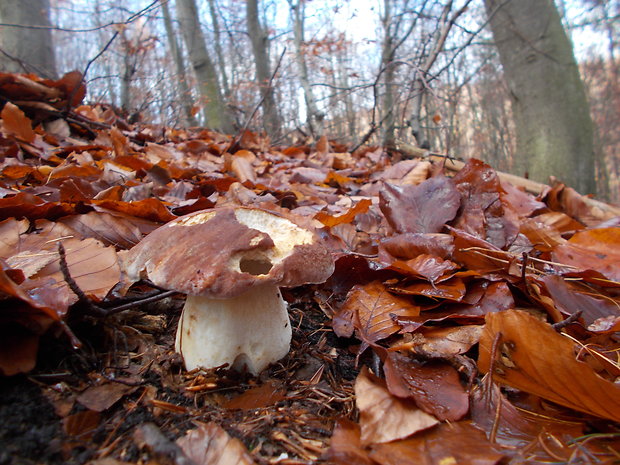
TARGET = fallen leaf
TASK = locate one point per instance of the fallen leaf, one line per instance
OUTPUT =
(330, 221)
(424, 208)
(209, 444)
(594, 249)
(368, 310)
(17, 123)
(534, 358)
(383, 417)
(435, 386)
(482, 213)
(258, 397)
(104, 396)
(345, 447)
(446, 444)
(82, 425)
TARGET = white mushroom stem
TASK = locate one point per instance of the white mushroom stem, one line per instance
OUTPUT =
(251, 330)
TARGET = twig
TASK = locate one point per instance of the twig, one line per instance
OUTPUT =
(82, 298)
(95, 309)
(236, 140)
(565, 322)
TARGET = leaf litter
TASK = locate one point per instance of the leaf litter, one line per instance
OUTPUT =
(466, 321)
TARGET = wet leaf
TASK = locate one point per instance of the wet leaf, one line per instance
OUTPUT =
(434, 387)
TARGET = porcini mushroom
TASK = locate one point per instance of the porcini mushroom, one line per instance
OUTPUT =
(231, 261)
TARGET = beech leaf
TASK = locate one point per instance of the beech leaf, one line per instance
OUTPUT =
(383, 417)
(534, 358)
(424, 208)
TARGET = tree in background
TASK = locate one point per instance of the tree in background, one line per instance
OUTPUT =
(216, 113)
(260, 48)
(551, 112)
(315, 117)
(183, 90)
(26, 49)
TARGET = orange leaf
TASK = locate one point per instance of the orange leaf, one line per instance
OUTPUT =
(368, 310)
(330, 221)
(17, 123)
(383, 417)
(534, 358)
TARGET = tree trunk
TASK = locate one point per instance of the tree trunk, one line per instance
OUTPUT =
(24, 50)
(552, 116)
(218, 48)
(314, 116)
(388, 68)
(181, 77)
(216, 112)
(260, 45)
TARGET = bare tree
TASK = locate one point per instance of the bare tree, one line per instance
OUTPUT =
(260, 47)
(216, 112)
(26, 44)
(181, 77)
(314, 116)
(552, 116)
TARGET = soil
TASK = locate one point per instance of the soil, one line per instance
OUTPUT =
(42, 419)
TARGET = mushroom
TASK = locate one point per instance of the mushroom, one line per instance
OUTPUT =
(231, 261)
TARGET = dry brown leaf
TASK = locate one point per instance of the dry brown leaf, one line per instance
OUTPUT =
(345, 447)
(594, 249)
(368, 309)
(383, 417)
(209, 444)
(424, 208)
(243, 169)
(16, 123)
(258, 397)
(111, 230)
(438, 342)
(434, 386)
(534, 358)
(448, 444)
(104, 396)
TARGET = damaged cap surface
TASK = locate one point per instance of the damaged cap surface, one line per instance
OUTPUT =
(222, 252)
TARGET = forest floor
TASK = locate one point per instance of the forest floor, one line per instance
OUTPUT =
(472, 317)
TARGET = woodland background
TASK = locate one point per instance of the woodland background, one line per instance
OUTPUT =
(423, 71)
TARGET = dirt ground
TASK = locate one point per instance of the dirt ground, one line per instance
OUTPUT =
(288, 413)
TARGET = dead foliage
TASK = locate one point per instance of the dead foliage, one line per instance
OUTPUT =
(467, 321)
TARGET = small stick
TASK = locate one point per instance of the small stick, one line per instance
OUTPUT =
(565, 322)
(82, 298)
(95, 309)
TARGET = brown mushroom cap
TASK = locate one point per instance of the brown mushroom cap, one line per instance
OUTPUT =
(220, 253)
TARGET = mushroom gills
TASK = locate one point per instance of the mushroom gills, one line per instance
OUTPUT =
(251, 330)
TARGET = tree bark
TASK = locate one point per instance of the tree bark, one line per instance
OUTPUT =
(181, 77)
(314, 116)
(260, 46)
(25, 50)
(552, 117)
(218, 48)
(216, 113)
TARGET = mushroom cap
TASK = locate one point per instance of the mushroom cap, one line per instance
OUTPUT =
(222, 252)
